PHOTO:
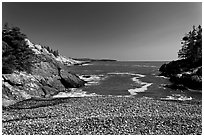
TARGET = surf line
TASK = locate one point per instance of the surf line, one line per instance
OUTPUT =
(144, 86)
(92, 79)
(125, 73)
(74, 92)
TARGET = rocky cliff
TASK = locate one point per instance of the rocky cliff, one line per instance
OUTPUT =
(183, 73)
(48, 76)
(38, 49)
(187, 71)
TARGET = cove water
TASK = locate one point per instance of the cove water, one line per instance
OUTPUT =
(133, 78)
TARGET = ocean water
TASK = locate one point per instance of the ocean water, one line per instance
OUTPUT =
(139, 79)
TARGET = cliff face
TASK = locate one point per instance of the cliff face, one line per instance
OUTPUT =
(183, 73)
(48, 76)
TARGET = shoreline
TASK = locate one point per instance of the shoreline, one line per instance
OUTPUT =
(105, 115)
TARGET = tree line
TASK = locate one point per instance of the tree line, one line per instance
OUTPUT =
(192, 46)
(16, 55)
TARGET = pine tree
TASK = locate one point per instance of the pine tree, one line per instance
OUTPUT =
(16, 55)
(192, 45)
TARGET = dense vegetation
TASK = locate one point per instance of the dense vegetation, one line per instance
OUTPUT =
(187, 71)
(192, 46)
(16, 55)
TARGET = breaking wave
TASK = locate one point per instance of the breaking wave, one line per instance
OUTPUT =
(144, 66)
(74, 93)
(144, 86)
(176, 97)
(126, 73)
(92, 79)
(86, 64)
(162, 77)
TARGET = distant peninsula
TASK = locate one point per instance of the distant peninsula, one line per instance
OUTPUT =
(91, 60)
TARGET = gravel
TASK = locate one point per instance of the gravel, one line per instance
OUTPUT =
(106, 115)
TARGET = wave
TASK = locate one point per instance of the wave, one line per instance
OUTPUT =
(144, 86)
(194, 90)
(145, 66)
(135, 79)
(92, 79)
(86, 64)
(177, 97)
(74, 93)
(162, 77)
(120, 96)
(161, 87)
(125, 73)
(142, 89)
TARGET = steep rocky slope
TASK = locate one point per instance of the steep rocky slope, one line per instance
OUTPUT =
(48, 76)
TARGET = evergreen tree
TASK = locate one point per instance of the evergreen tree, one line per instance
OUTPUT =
(56, 53)
(192, 45)
(16, 55)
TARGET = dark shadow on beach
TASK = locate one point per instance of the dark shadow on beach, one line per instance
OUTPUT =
(38, 102)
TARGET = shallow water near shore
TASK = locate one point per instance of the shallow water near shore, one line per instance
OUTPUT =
(133, 78)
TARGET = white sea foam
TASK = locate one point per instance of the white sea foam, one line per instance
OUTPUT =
(74, 93)
(144, 86)
(126, 73)
(177, 97)
(124, 96)
(140, 75)
(91, 83)
(92, 79)
(141, 89)
(86, 64)
(120, 96)
(162, 77)
(194, 90)
(135, 79)
(145, 66)
(161, 87)
(164, 85)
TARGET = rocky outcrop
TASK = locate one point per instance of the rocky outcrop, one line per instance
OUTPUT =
(20, 86)
(38, 49)
(191, 79)
(183, 73)
(48, 77)
(69, 61)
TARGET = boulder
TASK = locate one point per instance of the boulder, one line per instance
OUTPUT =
(70, 80)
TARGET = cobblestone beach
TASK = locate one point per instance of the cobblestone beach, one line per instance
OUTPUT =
(106, 115)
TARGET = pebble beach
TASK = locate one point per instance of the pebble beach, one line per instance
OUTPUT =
(103, 115)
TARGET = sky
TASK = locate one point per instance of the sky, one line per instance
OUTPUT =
(132, 31)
